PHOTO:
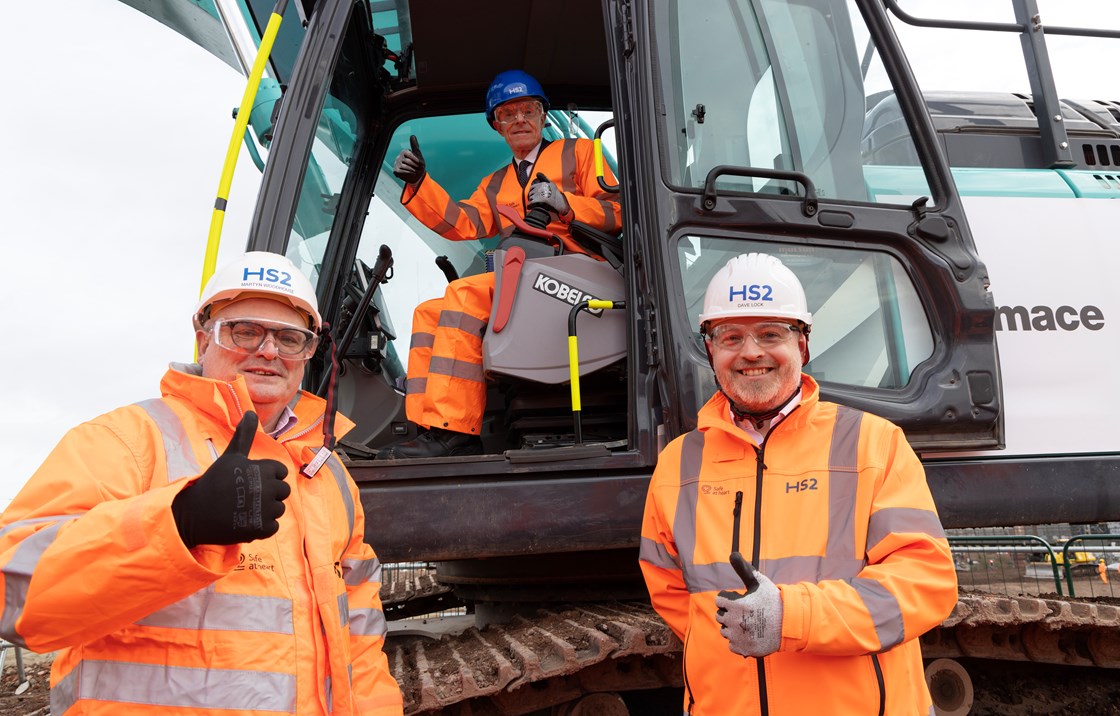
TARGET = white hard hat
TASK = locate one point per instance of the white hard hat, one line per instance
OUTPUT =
(755, 285)
(263, 274)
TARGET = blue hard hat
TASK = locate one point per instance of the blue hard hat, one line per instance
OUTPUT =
(512, 84)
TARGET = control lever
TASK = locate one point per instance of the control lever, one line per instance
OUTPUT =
(449, 271)
(538, 216)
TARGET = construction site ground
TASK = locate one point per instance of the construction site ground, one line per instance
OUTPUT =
(35, 698)
(1000, 689)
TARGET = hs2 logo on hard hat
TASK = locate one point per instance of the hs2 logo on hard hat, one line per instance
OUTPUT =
(263, 276)
(753, 292)
(563, 292)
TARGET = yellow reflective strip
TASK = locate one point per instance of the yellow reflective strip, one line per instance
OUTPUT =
(598, 157)
(573, 367)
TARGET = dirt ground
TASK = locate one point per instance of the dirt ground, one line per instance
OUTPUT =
(1042, 690)
(33, 700)
(999, 690)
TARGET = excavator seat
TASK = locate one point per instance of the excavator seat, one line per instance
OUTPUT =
(533, 297)
(525, 349)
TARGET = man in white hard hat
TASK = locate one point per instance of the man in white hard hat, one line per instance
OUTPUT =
(791, 543)
(204, 551)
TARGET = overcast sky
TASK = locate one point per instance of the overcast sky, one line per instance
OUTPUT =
(114, 130)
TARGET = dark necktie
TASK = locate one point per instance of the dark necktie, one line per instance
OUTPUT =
(523, 171)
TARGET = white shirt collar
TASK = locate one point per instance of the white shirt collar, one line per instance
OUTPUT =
(748, 427)
(286, 420)
(531, 157)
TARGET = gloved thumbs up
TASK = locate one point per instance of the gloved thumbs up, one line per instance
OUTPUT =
(751, 621)
(237, 499)
(409, 164)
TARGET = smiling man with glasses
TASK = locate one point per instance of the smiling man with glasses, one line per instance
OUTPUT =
(791, 541)
(193, 551)
(446, 388)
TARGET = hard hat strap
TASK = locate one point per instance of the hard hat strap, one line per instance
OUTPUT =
(757, 419)
(328, 420)
(327, 449)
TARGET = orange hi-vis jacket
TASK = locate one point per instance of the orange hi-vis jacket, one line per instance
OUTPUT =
(568, 163)
(94, 567)
(836, 511)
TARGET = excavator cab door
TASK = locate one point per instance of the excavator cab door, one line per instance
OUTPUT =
(760, 147)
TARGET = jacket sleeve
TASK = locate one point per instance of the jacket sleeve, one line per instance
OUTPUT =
(86, 548)
(454, 220)
(590, 203)
(376, 691)
(908, 584)
(658, 556)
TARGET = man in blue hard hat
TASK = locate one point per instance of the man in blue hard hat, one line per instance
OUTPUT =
(446, 387)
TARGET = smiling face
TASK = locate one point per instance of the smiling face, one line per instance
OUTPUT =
(758, 379)
(520, 122)
(272, 381)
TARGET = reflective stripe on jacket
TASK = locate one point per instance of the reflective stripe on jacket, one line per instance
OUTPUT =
(836, 511)
(94, 567)
(568, 163)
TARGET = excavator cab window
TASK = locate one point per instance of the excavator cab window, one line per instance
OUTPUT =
(869, 328)
(741, 99)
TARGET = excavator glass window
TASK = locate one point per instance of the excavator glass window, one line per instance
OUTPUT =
(869, 329)
(738, 96)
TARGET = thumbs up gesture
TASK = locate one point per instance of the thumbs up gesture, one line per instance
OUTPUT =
(409, 164)
(237, 499)
(751, 621)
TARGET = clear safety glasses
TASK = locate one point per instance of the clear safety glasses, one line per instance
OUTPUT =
(732, 336)
(510, 113)
(247, 335)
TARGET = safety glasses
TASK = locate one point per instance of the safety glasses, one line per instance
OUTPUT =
(733, 336)
(510, 113)
(247, 335)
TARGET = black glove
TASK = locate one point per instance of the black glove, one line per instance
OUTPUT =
(237, 499)
(542, 191)
(410, 165)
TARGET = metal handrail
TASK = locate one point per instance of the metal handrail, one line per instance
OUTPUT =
(1065, 554)
(1012, 540)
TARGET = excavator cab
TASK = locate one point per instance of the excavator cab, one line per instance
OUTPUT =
(723, 140)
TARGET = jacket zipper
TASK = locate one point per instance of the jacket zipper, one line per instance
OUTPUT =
(684, 670)
(882, 686)
(756, 549)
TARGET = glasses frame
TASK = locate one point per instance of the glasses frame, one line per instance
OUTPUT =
(713, 335)
(271, 329)
(519, 115)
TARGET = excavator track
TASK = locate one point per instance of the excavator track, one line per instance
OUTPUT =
(414, 593)
(1077, 632)
(561, 655)
(556, 657)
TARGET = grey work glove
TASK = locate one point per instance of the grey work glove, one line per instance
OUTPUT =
(237, 499)
(751, 622)
(409, 164)
(542, 191)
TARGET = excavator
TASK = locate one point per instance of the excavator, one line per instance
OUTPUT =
(954, 247)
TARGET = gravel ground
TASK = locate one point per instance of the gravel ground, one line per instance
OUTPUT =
(34, 699)
(1004, 689)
